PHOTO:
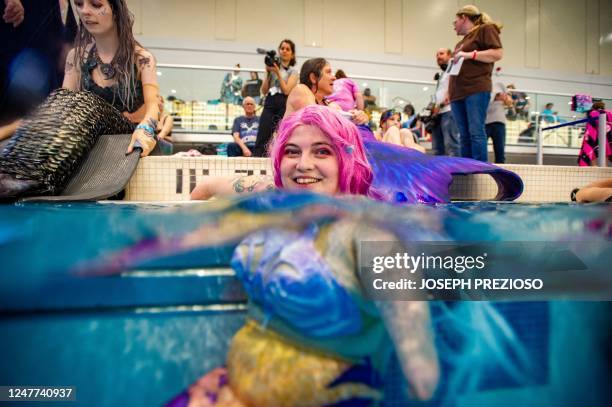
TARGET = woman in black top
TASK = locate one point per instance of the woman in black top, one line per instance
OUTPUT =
(279, 82)
(109, 62)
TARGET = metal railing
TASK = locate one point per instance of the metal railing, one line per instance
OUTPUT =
(601, 137)
(198, 109)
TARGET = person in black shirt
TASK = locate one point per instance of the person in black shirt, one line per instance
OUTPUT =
(252, 88)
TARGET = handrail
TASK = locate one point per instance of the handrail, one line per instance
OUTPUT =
(557, 126)
(601, 137)
(372, 78)
(232, 68)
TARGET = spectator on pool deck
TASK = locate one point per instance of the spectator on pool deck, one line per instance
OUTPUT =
(470, 84)
(244, 131)
(548, 115)
(411, 117)
(495, 123)
(520, 105)
(231, 87)
(369, 100)
(252, 87)
(346, 93)
(445, 135)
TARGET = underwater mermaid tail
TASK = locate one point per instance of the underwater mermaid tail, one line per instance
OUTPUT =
(52, 143)
(405, 175)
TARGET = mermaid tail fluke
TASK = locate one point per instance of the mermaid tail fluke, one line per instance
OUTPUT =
(405, 175)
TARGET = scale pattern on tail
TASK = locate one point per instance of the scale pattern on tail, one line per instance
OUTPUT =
(53, 141)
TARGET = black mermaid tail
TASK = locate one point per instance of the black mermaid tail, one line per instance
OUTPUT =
(52, 142)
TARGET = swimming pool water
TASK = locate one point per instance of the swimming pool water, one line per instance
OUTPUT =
(126, 340)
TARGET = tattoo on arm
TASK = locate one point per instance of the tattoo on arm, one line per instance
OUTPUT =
(144, 61)
(152, 122)
(250, 184)
(69, 66)
(238, 185)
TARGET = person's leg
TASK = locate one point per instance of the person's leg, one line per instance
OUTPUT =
(476, 109)
(266, 128)
(497, 132)
(458, 109)
(437, 139)
(234, 150)
(392, 136)
(274, 111)
(408, 139)
(450, 135)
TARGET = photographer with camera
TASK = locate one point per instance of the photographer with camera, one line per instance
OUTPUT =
(281, 78)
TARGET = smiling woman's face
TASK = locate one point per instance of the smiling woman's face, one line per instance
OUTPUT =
(309, 162)
(96, 15)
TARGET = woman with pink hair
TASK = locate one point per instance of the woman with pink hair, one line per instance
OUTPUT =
(319, 123)
(306, 301)
(307, 138)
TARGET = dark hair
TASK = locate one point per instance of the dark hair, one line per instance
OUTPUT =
(340, 74)
(256, 74)
(598, 105)
(387, 114)
(367, 92)
(315, 66)
(410, 108)
(125, 56)
(292, 46)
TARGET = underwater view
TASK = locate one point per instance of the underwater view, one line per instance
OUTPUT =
(131, 303)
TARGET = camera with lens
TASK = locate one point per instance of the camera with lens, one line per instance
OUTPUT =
(270, 57)
(430, 117)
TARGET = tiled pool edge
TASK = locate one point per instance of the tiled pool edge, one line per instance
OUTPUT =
(171, 178)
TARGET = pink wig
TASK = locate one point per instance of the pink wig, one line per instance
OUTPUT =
(354, 171)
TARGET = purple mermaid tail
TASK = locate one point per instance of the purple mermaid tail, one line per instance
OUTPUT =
(408, 176)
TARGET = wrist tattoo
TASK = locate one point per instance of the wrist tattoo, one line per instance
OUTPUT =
(152, 122)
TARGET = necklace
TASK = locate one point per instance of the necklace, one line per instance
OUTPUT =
(108, 70)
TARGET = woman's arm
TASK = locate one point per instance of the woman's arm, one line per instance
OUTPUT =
(299, 98)
(409, 325)
(487, 55)
(286, 86)
(145, 131)
(166, 127)
(245, 150)
(214, 186)
(10, 129)
(265, 86)
(359, 100)
(71, 73)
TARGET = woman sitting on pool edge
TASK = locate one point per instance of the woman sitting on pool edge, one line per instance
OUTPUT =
(311, 354)
(390, 131)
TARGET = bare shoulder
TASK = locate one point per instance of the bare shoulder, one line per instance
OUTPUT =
(144, 58)
(299, 98)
